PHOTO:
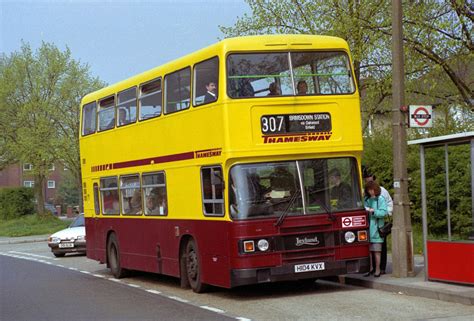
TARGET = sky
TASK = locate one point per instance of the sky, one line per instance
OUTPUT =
(117, 38)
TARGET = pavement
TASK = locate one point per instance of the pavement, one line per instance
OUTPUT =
(414, 286)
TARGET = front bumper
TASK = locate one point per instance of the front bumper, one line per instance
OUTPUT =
(79, 247)
(286, 272)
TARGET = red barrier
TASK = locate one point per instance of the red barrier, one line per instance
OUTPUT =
(451, 261)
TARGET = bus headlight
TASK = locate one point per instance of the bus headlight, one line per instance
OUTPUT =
(263, 245)
(350, 237)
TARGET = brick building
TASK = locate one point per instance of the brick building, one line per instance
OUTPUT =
(17, 175)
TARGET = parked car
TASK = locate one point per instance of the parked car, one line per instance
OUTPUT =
(51, 208)
(69, 240)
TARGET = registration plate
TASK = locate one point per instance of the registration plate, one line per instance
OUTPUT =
(309, 267)
(66, 245)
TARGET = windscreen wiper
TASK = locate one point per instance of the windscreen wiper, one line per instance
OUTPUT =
(287, 209)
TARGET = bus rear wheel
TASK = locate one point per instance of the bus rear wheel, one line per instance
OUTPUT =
(193, 267)
(113, 258)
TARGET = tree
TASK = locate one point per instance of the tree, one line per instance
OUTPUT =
(39, 104)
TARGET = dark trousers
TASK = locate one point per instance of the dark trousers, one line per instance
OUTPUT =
(383, 256)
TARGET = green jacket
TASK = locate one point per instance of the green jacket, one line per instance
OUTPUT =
(376, 218)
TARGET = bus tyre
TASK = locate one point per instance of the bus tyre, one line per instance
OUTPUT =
(113, 258)
(193, 268)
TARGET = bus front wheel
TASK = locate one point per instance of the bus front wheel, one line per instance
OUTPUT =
(113, 258)
(193, 268)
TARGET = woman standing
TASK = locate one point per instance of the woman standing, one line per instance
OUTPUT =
(377, 208)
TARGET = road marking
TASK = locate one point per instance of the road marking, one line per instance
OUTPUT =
(212, 309)
(153, 291)
(177, 299)
(133, 285)
(35, 255)
(243, 319)
(99, 276)
(114, 280)
(73, 269)
(85, 272)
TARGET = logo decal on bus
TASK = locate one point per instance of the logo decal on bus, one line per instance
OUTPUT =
(301, 138)
(208, 153)
(307, 241)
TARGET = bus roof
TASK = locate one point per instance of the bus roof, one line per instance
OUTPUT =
(245, 43)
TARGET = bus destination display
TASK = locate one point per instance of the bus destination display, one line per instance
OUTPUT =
(295, 123)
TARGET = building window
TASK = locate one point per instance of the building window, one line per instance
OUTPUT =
(51, 184)
(27, 167)
(212, 191)
(28, 183)
(154, 193)
(130, 193)
(51, 167)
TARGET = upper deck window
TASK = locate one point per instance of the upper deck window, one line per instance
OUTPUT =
(269, 74)
(150, 99)
(177, 94)
(206, 75)
(107, 113)
(127, 107)
(89, 118)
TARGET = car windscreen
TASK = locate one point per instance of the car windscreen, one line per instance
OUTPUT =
(79, 221)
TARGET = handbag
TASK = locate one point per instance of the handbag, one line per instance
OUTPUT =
(385, 230)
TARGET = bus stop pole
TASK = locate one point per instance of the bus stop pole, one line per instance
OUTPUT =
(448, 203)
(471, 236)
(424, 216)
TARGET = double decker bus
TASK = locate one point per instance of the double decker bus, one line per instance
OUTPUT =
(237, 164)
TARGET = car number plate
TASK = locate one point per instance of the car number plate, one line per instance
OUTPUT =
(309, 267)
(65, 245)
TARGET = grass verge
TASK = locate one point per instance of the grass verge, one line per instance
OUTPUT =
(31, 225)
(417, 240)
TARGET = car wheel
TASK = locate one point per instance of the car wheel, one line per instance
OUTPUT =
(57, 254)
(193, 268)
(113, 258)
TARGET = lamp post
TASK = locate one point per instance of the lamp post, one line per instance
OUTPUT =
(402, 235)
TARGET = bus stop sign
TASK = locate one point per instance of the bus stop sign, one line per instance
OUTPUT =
(421, 116)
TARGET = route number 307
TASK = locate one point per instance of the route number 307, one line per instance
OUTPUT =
(273, 124)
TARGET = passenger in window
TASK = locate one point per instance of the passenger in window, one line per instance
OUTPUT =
(340, 193)
(302, 87)
(211, 93)
(273, 90)
(136, 203)
(245, 88)
(122, 117)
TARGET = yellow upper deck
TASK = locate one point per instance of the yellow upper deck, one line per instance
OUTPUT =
(232, 127)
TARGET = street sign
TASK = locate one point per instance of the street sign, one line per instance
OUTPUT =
(421, 116)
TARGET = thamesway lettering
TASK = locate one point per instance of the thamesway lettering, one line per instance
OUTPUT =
(296, 138)
(208, 153)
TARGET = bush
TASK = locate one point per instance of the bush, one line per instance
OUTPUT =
(16, 202)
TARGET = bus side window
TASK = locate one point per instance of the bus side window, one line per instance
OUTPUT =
(107, 113)
(127, 107)
(150, 99)
(130, 196)
(154, 193)
(96, 199)
(89, 118)
(109, 195)
(212, 191)
(206, 75)
(177, 90)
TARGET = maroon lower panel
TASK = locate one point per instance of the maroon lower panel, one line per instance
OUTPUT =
(153, 245)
